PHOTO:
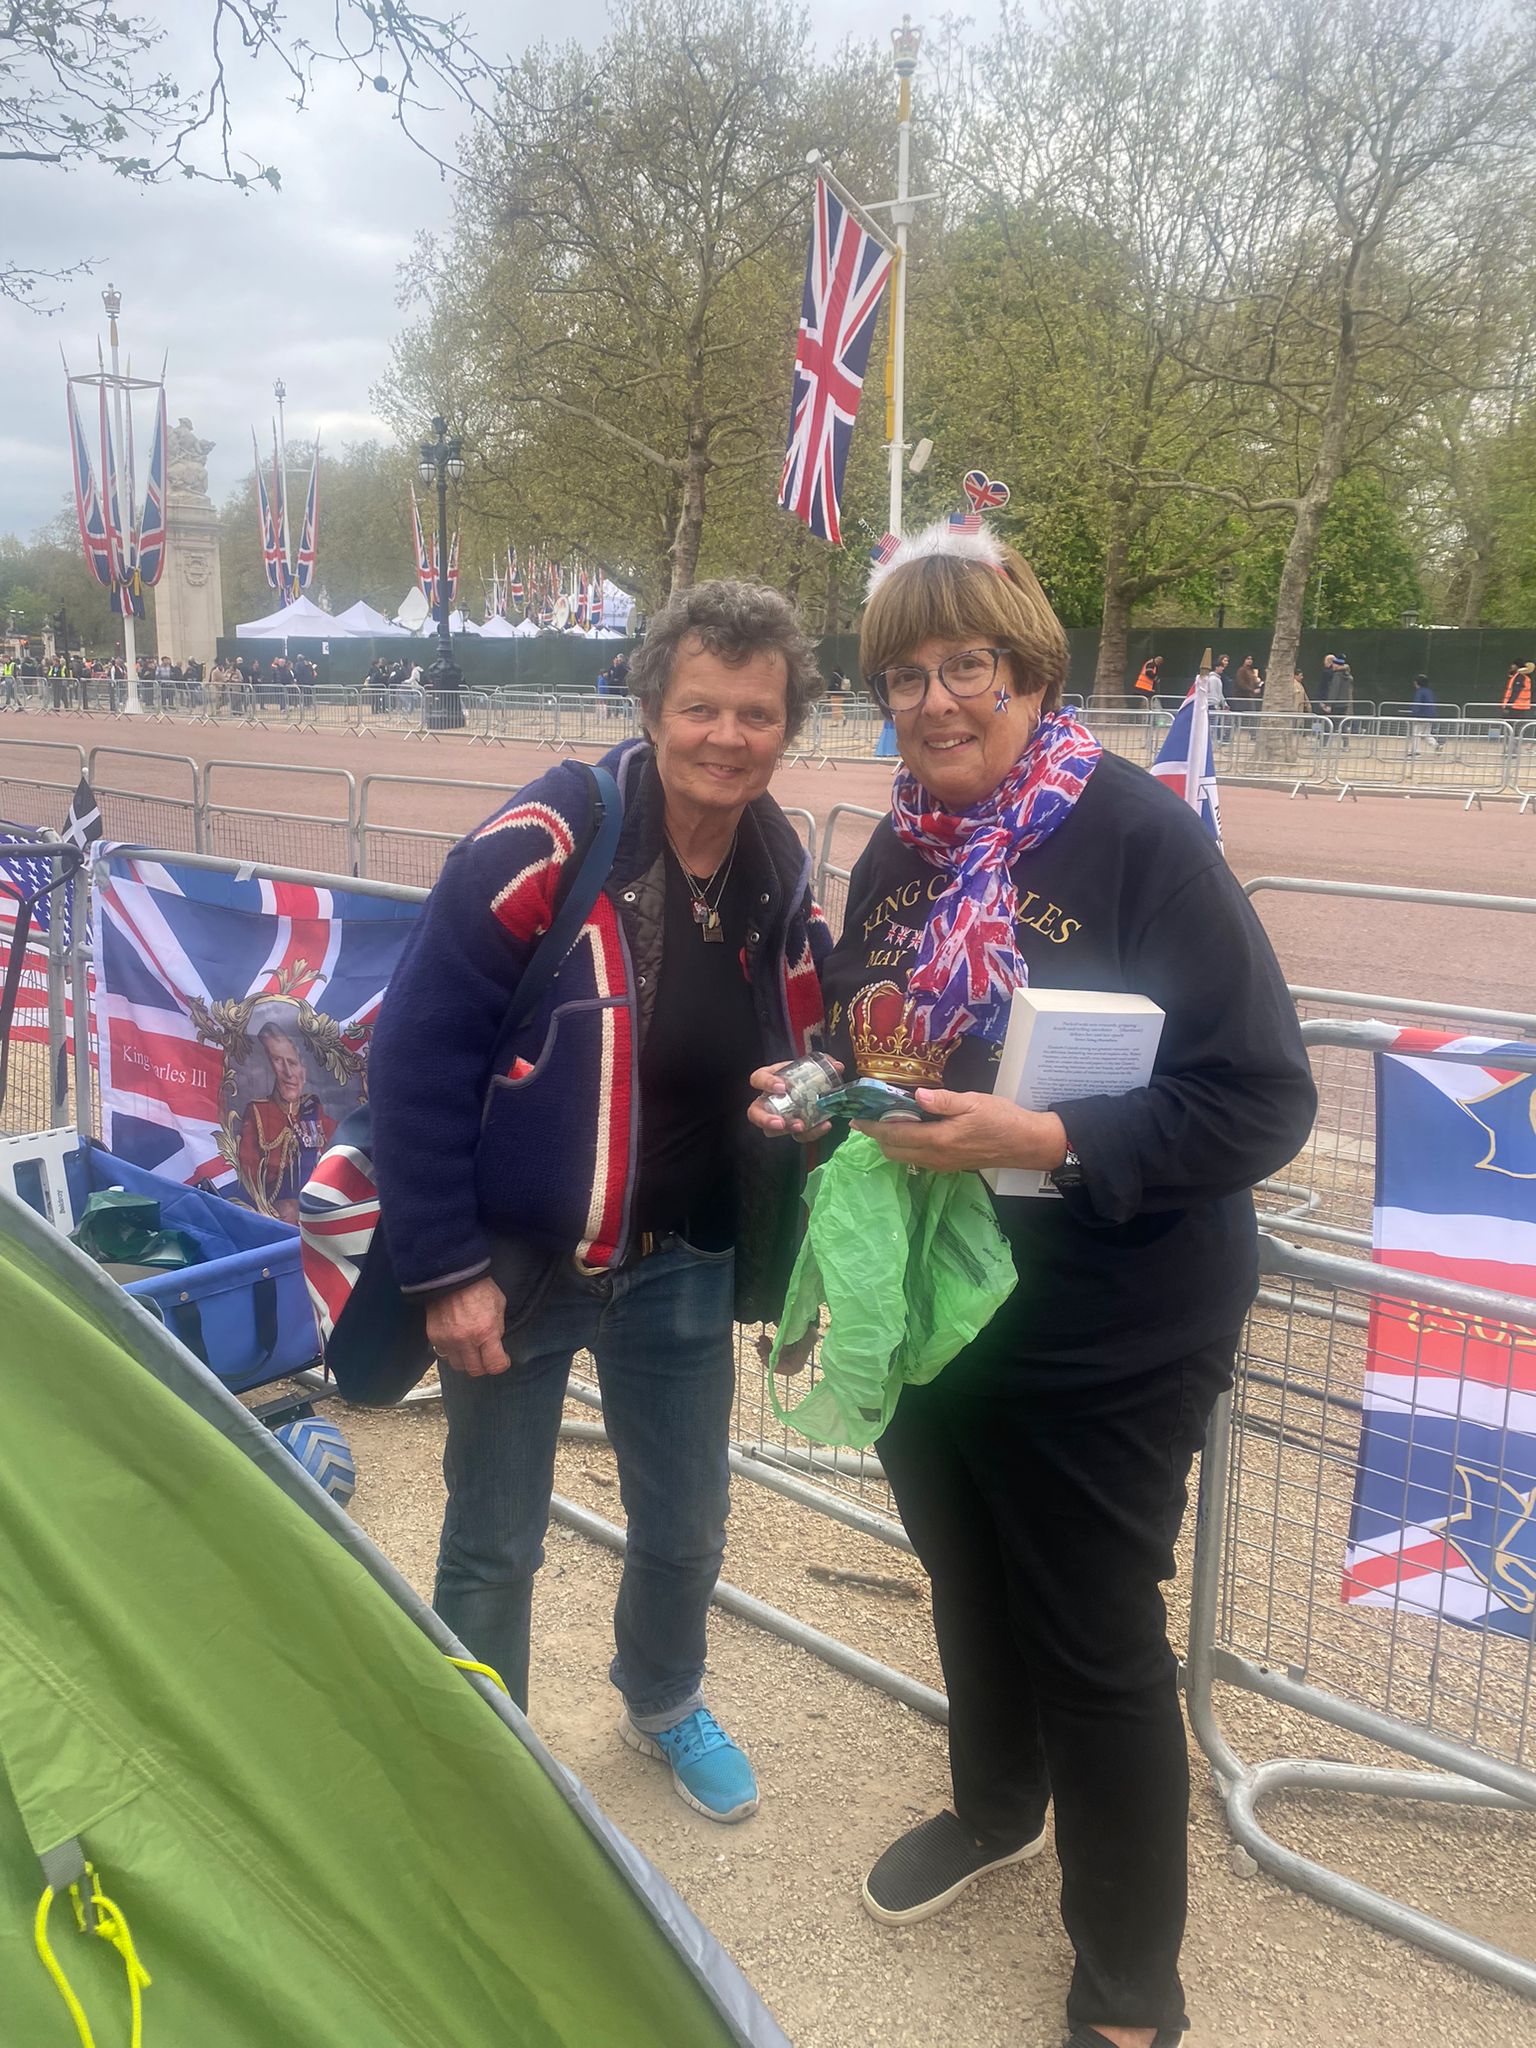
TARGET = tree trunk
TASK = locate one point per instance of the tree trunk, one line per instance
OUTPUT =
(690, 523)
(1109, 677)
(1477, 584)
(831, 616)
(1333, 443)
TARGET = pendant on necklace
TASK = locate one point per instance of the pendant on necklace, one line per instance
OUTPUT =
(708, 921)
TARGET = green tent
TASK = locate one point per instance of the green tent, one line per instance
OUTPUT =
(316, 1830)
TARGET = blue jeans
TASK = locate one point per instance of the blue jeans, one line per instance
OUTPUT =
(660, 1331)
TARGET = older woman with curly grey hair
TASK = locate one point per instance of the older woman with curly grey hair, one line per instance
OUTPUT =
(587, 1180)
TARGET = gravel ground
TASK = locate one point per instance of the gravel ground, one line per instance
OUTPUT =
(842, 1769)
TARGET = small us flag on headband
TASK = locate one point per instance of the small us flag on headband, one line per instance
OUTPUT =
(965, 522)
(884, 548)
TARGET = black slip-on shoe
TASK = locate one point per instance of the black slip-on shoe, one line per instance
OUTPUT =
(931, 1864)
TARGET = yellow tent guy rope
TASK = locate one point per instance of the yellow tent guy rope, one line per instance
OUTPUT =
(113, 1928)
(485, 1671)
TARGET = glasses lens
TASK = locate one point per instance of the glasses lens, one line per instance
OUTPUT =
(968, 674)
(904, 687)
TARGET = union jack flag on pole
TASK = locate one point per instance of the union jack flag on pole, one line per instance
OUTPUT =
(1185, 761)
(309, 535)
(88, 508)
(151, 536)
(845, 274)
(1444, 1519)
(269, 549)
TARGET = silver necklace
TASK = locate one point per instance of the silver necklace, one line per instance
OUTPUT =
(706, 912)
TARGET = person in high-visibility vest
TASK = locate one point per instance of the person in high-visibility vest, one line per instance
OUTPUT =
(1149, 678)
(1517, 691)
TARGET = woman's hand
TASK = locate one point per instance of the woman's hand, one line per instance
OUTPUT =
(464, 1328)
(793, 1358)
(766, 1082)
(971, 1131)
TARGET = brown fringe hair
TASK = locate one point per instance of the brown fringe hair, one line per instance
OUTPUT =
(947, 597)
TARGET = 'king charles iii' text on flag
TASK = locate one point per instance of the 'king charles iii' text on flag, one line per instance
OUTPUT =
(233, 1019)
(845, 273)
(1184, 760)
(1444, 1520)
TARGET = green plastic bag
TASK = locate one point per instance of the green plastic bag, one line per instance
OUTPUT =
(123, 1229)
(910, 1267)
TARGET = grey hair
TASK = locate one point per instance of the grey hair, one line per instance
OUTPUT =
(732, 621)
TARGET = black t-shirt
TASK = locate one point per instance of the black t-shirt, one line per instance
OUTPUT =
(1156, 1254)
(703, 1042)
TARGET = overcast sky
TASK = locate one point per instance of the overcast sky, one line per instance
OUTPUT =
(301, 284)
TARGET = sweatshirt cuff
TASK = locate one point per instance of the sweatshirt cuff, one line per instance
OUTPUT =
(445, 1283)
(1111, 1187)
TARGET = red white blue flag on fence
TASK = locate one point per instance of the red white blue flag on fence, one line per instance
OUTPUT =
(233, 1020)
(1444, 1520)
(1185, 760)
(845, 274)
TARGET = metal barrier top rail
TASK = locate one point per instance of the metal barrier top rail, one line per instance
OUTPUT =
(1386, 892)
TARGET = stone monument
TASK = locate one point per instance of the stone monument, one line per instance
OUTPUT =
(189, 598)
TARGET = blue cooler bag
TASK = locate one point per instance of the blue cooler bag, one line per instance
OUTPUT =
(245, 1312)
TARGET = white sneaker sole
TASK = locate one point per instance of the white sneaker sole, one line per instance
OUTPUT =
(929, 1907)
(646, 1745)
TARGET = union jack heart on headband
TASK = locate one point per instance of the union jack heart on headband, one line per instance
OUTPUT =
(984, 493)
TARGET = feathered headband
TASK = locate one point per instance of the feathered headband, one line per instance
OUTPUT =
(973, 544)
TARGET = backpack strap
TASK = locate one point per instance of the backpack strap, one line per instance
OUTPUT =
(586, 887)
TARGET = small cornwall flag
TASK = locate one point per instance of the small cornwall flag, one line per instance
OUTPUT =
(83, 825)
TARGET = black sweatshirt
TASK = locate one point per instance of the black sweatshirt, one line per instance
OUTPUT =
(1156, 1254)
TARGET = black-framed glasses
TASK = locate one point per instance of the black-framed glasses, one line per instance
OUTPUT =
(971, 673)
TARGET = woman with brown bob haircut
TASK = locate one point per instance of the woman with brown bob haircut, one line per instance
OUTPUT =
(1042, 1474)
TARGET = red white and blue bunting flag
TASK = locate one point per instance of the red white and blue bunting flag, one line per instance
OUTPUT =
(845, 275)
(309, 533)
(1444, 1519)
(88, 507)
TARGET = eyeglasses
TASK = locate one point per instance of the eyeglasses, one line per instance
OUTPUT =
(968, 674)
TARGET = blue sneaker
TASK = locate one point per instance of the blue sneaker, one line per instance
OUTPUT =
(708, 1770)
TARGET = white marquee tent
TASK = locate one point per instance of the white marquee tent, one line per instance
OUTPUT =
(361, 618)
(301, 620)
(413, 609)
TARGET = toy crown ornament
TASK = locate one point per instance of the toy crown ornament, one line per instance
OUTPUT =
(885, 1045)
(942, 538)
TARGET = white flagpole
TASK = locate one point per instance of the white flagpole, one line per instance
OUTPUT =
(906, 40)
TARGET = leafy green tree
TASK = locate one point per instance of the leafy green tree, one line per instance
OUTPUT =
(612, 323)
(1364, 569)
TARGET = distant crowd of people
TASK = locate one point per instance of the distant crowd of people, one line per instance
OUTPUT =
(1243, 689)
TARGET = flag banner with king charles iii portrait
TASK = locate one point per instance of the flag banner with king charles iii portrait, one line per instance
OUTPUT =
(233, 1017)
(1444, 1519)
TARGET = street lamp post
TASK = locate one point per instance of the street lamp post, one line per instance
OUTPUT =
(905, 41)
(441, 459)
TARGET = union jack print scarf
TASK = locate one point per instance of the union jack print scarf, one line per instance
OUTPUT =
(968, 964)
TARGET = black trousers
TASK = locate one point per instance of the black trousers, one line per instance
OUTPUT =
(1046, 1519)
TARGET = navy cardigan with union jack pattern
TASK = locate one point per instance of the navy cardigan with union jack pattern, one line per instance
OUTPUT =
(537, 1137)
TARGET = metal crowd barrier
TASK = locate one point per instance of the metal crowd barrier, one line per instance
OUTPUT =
(1466, 758)
(1266, 1617)
(37, 779)
(250, 832)
(1523, 775)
